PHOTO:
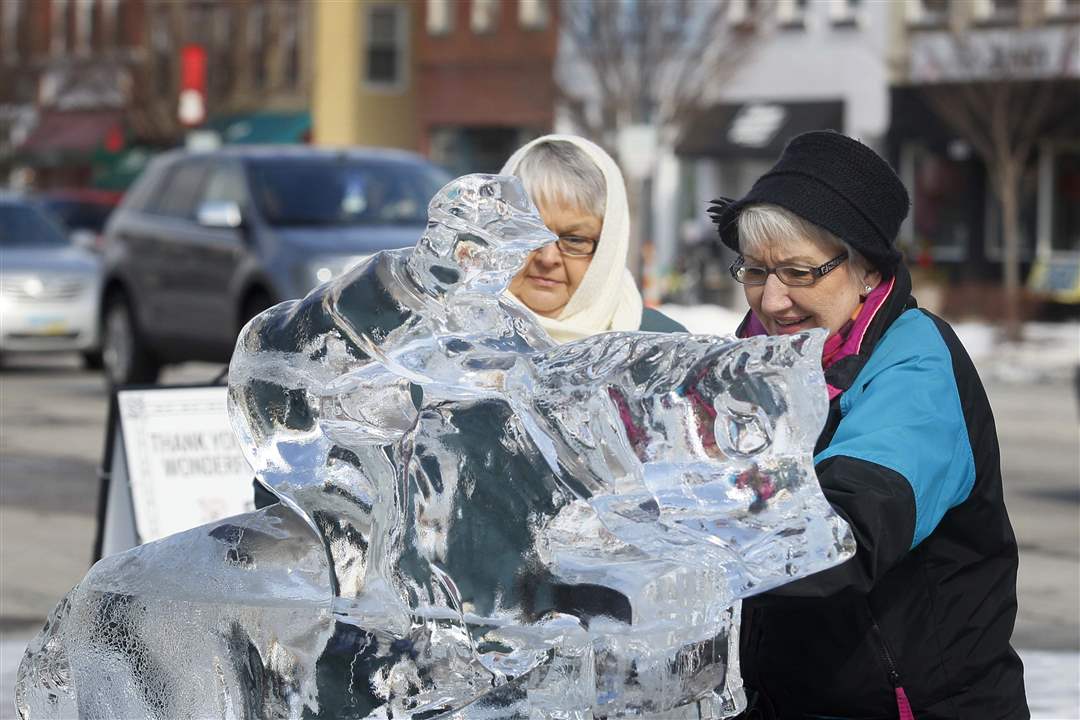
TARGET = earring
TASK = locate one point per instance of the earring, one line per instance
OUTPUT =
(869, 288)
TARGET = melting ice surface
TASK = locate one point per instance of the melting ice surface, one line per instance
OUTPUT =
(474, 522)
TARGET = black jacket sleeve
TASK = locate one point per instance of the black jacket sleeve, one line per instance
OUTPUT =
(879, 505)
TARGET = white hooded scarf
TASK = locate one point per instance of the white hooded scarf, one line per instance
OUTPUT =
(607, 298)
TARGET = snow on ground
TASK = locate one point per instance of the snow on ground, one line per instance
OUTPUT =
(705, 319)
(1052, 680)
(1048, 350)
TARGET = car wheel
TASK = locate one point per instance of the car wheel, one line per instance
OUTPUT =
(254, 304)
(125, 356)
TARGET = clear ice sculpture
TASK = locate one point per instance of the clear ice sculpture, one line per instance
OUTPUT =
(474, 522)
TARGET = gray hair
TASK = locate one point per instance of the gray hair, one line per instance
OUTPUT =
(766, 225)
(558, 172)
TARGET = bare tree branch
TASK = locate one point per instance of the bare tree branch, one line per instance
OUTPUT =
(1002, 107)
(653, 60)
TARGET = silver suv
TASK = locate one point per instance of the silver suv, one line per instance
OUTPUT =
(204, 241)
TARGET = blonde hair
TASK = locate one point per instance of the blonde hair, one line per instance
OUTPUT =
(770, 226)
(554, 172)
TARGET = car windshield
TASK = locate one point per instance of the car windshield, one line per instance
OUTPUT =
(342, 191)
(23, 226)
(77, 215)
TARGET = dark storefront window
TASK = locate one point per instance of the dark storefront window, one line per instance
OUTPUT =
(1065, 227)
(476, 149)
(1029, 210)
(941, 213)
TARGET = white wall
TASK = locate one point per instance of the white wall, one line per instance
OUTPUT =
(823, 62)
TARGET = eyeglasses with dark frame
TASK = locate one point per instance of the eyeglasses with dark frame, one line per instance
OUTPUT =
(576, 246)
(790, 275)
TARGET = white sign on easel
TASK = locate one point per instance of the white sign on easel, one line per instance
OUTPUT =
(175, 465)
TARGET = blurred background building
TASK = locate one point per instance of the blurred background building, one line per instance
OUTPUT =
(695, 98)
(91, 88)
(813, 66)
(485, 79)
(984, 127)
(365, 73)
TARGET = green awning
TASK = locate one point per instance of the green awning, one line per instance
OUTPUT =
(261, 128)
(117, 171)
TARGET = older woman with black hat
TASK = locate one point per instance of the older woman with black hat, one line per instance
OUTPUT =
(918, 623)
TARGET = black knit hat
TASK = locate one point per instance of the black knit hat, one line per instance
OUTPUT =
(838, 184)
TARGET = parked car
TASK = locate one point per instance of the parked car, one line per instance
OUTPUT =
(204, 241)
(83, 212)
(49, 289)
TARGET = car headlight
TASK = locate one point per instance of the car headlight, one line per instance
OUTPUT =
(326, 268)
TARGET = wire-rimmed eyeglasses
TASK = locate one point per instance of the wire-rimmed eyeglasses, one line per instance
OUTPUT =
(576, 245)
(791, 275)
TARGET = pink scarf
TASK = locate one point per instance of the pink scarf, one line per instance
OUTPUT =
(849, 338)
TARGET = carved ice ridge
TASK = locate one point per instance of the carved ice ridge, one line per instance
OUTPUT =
(475, 522)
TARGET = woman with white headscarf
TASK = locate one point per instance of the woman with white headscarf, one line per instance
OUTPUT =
(580, 285)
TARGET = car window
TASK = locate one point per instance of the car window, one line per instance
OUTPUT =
(331, 191)
(226, 184)
(78, 215)
(143, 192)
(181, 189)
(23, 226)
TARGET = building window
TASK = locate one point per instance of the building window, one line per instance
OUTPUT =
(844, 13)
(739, 12)
(258, 19)
(533, 14)
(11, 13)
(1029, 192)
(386, 38)
(1056, 9)
(200, 23)
(58, 27)
(84, 19)
(128, 27)
(1065, 205)
(997, 11)
(941, 188)
(220, 69)
(484, 16)
(292, 22)
(110, 24)
(791, 13)
(440, 17)
(927, 13)
(161, 48)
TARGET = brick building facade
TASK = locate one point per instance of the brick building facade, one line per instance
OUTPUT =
(485, 79)
(84, 83)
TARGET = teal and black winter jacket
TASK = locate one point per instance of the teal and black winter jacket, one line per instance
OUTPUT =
(909, 457)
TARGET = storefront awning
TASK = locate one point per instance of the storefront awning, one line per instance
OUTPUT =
(757, 129)
(262, 128)
(117, 171)
(59, 135)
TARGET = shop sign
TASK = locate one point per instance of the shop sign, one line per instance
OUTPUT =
(995, 54)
